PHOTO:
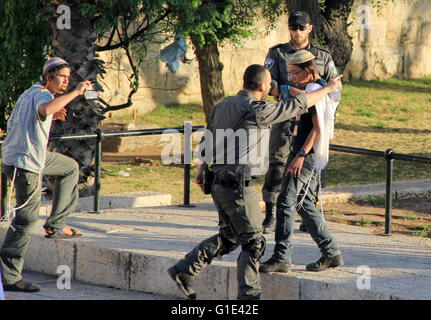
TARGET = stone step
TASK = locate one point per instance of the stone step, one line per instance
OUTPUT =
(123, 200)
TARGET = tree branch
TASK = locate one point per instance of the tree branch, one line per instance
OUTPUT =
(135, 86)
(136, 35)
(108, 44)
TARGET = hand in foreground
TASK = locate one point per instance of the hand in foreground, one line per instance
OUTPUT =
(295, 167)
(335, 83)
(60, 115)
(83, 87)
(274, 92)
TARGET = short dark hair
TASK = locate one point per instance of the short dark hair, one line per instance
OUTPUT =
(50, 74)
(253, 75)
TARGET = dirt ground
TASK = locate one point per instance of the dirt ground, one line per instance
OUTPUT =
(409, 216)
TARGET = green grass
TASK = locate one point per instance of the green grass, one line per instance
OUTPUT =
(332, 212)
(410, 216)
(365, 113)
(378, 115)
(420, 234)
(365, 222)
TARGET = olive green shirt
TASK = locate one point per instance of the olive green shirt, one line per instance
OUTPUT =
(238, 130)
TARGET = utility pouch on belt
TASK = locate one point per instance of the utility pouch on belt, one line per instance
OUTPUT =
(239, 178)
(208, 177)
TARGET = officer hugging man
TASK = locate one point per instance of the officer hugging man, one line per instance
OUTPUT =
(237, 202)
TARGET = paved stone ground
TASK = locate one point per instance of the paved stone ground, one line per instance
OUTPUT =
(78, 290)
(130, 249)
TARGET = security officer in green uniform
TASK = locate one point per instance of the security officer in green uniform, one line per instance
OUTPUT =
(233, 165)
(281, 133)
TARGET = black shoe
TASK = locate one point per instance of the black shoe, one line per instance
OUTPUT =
(273, 265)
(268, 224)
(325, 262)
(183, 281)
(303, 227)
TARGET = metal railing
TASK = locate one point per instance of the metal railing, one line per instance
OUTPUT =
(389, 155)
(99, 135)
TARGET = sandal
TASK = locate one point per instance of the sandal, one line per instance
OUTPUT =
(21, 286)
(58, 233)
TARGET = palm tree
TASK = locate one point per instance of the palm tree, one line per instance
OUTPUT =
(77, 46)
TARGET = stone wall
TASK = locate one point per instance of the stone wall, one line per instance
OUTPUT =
(395, 43)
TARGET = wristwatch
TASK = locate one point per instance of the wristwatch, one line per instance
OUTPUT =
(302, 153)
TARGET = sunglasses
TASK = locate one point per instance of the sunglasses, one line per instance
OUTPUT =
(297, 27)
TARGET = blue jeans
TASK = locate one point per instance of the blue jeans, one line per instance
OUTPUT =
(292, 191)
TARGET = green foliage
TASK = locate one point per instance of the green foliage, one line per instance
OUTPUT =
(208, 22)
(133, 24)
(221, 21)
(123, 14)
(24, 40)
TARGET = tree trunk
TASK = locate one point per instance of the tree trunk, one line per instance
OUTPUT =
(210, 73)
(330, 26)
(77, 46)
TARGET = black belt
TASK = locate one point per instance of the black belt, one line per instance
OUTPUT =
(225, 183)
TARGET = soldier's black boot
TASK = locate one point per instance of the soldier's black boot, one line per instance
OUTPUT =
(269, 221)
(272, 265)
(325, 262)
(184, 282)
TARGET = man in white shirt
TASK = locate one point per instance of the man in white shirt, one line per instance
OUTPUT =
(25, 160)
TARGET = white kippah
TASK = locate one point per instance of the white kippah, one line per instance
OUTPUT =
(52, 63)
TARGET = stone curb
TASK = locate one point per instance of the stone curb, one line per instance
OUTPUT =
(123, 200)
(127, 270)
